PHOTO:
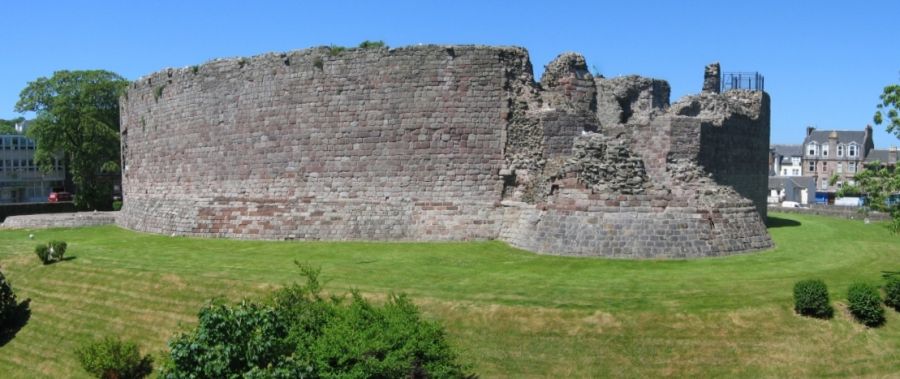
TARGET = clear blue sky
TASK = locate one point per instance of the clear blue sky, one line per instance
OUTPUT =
(825, 62)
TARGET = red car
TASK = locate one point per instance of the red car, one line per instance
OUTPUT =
(56, 197)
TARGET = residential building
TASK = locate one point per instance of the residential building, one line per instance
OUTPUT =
(835, 153)
(786, 160)
(20, 179)
(799, 189)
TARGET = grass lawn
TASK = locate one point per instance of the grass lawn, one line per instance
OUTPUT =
(511, 313)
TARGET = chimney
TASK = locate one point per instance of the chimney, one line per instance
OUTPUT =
(809, 130)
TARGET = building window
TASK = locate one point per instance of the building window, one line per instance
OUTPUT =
(824, 150)
(840, 168)
(796, 171)
(812, 166)
(851, 150)
(824, 166)
(851, 166)
(812, 149)
(824, 184)
(840, 150)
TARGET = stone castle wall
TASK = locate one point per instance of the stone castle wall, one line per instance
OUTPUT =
(439, 143)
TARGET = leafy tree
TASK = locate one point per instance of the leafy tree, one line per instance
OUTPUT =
(888, 108)
(9, 126)
(78, 114)
(879, 183)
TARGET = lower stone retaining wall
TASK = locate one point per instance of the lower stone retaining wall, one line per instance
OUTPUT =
(675, 232)
(7, 210)
(315, 219)
(851, 213)
(59, 220)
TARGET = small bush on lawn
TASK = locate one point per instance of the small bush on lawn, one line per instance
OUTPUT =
(43, 253)
(113, 358)
(298, 333)
(51, 252)
(811, 299)
(8, 302)
(865, 304)
(892, 292)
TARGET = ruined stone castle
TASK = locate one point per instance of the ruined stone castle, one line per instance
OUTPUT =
(432, 143)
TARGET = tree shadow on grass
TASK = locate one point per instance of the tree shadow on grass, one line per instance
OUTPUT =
(778, 222)
(16, 322)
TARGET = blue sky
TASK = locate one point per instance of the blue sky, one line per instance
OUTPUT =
(825, 62)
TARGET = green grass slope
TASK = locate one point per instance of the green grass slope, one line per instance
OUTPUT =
(511, 313)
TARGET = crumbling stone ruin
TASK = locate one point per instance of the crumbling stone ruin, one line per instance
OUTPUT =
(445, 143)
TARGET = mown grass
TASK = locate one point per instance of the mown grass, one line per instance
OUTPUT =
(512, 313)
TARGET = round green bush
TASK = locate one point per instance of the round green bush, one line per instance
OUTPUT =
(892, 293)
(51, 252)
(7, 302)
(811, 299)
(865, 304)
(113, 358)
(43, 253)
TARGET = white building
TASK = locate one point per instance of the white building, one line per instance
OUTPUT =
(21, 181)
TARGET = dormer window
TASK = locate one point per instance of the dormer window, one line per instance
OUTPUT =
(840, 150)
(852, 150)
(812, 149)
(824, 150)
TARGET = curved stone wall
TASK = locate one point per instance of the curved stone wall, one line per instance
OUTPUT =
(417, 143)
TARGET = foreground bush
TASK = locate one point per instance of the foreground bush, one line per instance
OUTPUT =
(811, 299)
(892, 292)
(298, 333)
(112, 358)
(865, 304)
(8, 302)
(54, 251)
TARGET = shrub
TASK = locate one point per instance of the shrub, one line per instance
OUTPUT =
(51, 252)
(372, 44)
(865, 304)
(117, 205)
(335, 50)
(58, 249)
(113, 358)
(8, 302)
(892, 293)
(43, 252)
(298, 333)
(811, 299)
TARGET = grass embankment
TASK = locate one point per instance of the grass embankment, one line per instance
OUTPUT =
(511, 313)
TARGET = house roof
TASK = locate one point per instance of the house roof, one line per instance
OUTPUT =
(791, 181)
(842, 136)
(788, 150)
(882, 155)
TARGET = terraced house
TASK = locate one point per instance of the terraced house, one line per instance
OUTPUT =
(21, 181)
(840, 153)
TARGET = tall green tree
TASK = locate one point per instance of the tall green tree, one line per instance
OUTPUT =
(9, 126)
(888, 109)
(77, 115)
(879, 183)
